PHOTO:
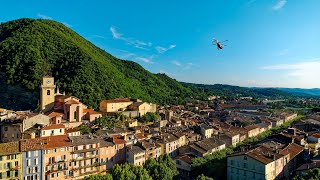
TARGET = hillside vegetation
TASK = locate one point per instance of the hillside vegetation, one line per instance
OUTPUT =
(30, 49)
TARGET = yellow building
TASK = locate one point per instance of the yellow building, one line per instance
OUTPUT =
(114, 105)
(47, 93)
(253, 130)
(10, 161)
(127, 106)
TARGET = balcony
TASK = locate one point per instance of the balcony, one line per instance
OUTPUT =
(86, 166)
(14, 168)
(85, 157)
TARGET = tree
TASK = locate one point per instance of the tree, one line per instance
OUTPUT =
(203, 177)
(150, 117)
(129, 171)
(105, 122)
(84, 129)
(163, 168)
(99, 177)
(312, 174)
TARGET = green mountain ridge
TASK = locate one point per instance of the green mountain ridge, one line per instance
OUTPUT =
(30, 49)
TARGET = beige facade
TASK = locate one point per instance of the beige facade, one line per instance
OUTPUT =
(13, 128)
(114, 105)
(10, 161)
(136, 155)
(47, 93)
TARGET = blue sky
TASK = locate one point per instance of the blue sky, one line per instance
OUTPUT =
(271, 43)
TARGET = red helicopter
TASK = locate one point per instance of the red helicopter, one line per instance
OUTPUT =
(219, 45)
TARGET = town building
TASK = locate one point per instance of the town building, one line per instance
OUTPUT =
(62, 108)
(169, 144)
(136, 155)
(85, 156)
(10, 161)
(12, 129)
(57, 159)
(32, 156)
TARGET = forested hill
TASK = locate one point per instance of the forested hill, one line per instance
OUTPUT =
(31, 48)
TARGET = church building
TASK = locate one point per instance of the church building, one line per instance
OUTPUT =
(62, 108)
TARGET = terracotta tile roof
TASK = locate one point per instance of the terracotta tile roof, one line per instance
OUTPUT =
(71, 130)
(56, 141)
(316, 135)
(263, 154)
(292, 149)
(117, 140)
(31, 144)
(251, 127)
(54, 114)
(2, 110)
(185, 157)
(116, 100)
(72, 102)
(9, 148)
(53, 126)
(61, 97)
(91, 111)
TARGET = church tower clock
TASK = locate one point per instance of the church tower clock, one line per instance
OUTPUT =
(47, 93)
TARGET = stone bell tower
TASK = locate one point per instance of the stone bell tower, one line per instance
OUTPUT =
(47, 93)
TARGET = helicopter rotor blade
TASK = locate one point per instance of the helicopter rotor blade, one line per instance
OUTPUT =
(224, 41)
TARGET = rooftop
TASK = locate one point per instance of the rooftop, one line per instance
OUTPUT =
(9, 148)
(53, 126)
(135, 149)
(83, 140)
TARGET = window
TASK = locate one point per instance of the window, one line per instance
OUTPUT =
(35, 153)
(231, 162)
(245, 165)
(245, 157)
(28, 154)
(60, 130)
(35, 161)
(48, 92)
(244, 173)
(5, 128)
(52, 132)
(28, 162)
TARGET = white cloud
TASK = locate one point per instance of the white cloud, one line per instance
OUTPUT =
(115, 33)
(306, 72)
(177, 63)
(131, 41)
(279, 5)
(42, 16)
(66, 24)
(161, 49)
(147, 60)
(282, 52)
(184, 66)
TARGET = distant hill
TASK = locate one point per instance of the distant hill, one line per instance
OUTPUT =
(30, 49)
(237, 91)
(302, 92)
